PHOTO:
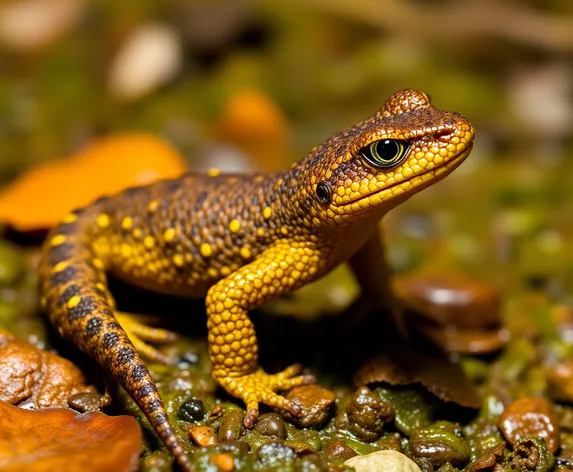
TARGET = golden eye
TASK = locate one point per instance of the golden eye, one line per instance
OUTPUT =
(385, 153)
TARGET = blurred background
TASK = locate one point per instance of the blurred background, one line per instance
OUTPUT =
(254, 84)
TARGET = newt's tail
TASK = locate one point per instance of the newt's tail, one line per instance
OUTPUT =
(74, 293)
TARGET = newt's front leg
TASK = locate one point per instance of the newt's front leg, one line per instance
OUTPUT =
(372, 272)
(232, 339)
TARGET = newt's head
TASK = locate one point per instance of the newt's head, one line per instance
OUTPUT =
(382, 161)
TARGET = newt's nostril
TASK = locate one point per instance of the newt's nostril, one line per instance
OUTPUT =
(444, 134)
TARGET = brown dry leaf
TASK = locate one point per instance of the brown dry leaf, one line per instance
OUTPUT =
(35, 378)
(62, 440)
(399, 365)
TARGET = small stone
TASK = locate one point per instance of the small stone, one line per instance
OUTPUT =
(367, 414)
(337, 450)
(271, 425)
(531, 417)
(192, 410)
(440, 443)
(451, 300)
(383, 461)
(231, 426)
(88, 401)
(202, 436)
(317, 406)
(150, 56)
(223, 462)
(560, 381)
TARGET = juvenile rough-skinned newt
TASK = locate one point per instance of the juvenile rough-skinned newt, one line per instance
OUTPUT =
(240, 241)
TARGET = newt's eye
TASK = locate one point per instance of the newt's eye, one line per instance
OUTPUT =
(324, 192)
(385, 153)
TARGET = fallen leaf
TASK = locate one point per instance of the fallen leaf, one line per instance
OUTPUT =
(57, 439)
(40, 197)
(35, 378)
(399, 365)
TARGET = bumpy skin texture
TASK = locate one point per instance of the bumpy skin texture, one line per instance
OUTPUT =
(240, 241)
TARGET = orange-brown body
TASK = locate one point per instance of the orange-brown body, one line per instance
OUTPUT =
(240, 241)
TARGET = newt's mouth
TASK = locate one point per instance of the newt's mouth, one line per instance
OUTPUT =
(429, 177)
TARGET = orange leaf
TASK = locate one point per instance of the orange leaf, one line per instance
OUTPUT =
(40, 197)
(57, 439)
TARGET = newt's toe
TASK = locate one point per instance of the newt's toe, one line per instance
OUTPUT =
(260, 387)
(140, 335)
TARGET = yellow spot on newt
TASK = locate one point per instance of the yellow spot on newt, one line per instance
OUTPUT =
(178, 260)
(98, 263)
(58, 239)
(73, 302)
(60, 266)
(284, 231)
(206, 250)
(234, 226)
(267, 212)
(127, 222)
(126, 250)
(148, 242)
(212, 272)
(153, 205)
(70, 218)
(137, 233)
(103, 220)
(213, 172)
(225, 271)
(169, 234)
(245, 253)
(260, 232)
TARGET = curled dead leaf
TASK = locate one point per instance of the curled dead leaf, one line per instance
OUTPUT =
(66, 441)
(399, 365)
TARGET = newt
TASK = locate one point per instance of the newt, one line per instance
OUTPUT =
(241, 241)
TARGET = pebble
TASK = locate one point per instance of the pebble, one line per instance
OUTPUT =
(560, 381)
(337, 449)
(231, 426)
(192, 410)
(271, 425)
(150, 57)
(202, 436)
(317, 406)
(451, 300)
(29, 25)
(440, 442)
(223, 462)
(458, 313)
(531, 417)
(367, 414)
(383, 461)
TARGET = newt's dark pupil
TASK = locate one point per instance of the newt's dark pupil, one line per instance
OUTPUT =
(385, 153)
(386, 150)
(323, 192)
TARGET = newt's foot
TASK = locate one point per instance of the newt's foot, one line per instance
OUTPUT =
(260, 387)
(140, 334)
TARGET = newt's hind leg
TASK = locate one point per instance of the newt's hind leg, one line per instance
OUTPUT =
(140, 335)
